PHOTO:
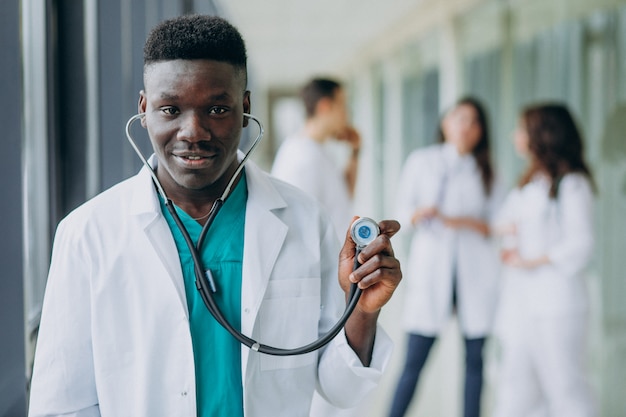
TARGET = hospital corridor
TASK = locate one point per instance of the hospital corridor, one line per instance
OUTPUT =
(493, 131)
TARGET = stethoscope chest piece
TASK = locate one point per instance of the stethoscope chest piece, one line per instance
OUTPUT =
(363, 231)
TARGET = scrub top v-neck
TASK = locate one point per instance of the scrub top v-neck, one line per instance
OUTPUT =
(217, 354)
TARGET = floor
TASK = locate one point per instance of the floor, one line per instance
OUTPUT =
(440, 391)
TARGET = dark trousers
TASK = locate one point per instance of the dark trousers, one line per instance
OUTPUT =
(417, 352)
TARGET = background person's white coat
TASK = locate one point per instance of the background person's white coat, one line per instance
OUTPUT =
(543, 311)
(308, 165)
(439, 176)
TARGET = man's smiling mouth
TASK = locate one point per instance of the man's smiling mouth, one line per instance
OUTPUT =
(195, 160)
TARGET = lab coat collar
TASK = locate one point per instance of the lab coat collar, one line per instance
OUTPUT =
(145, 198)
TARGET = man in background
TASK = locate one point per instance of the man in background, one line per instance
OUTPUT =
(305, 161)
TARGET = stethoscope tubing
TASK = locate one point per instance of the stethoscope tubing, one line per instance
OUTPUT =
(206, 288)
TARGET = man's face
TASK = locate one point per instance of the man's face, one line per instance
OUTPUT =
(332, 112)
(194, 116)
(338, 113)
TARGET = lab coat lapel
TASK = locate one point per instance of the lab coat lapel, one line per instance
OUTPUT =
(264, 237)
(147, 211)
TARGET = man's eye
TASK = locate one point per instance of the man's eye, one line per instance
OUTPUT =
(170, 111)
(218, 110)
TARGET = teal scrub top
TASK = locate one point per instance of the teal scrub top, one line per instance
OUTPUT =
(217, 354)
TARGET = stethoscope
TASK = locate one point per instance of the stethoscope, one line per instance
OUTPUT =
(363, 231)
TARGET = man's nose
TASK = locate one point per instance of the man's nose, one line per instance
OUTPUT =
(194, 128)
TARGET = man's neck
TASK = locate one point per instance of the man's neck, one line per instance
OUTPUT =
(198, 203)
(314, 130)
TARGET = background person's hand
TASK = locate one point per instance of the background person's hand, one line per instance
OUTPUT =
(424, 213)
(351, 136)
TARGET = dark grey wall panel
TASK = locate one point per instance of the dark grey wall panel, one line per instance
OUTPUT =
(12, 362)
(70, 111)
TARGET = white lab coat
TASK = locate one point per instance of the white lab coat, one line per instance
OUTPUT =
(542, 313)
(439, 176)
(308, 165)
(114, 337)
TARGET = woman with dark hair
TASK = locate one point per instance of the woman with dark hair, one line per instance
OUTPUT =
(446, 197)
(547, 222)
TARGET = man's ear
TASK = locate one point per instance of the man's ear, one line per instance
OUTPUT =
(141, 106)
(246, 107)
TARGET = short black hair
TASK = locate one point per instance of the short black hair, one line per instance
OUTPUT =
(317, 89)
(196, 37)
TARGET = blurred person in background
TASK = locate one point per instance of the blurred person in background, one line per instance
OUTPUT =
(547, 228)
(304, 161)
(447, 195)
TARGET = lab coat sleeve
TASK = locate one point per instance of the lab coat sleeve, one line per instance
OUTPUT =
(575, 216)
(63, 380)
(342, 378)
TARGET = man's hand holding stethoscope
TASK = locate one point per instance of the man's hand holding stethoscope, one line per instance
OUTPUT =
(378, 275)
(379, 272)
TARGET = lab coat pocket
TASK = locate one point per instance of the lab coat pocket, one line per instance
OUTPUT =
(289, 318)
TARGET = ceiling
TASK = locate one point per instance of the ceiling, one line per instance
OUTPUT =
(289, 41)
